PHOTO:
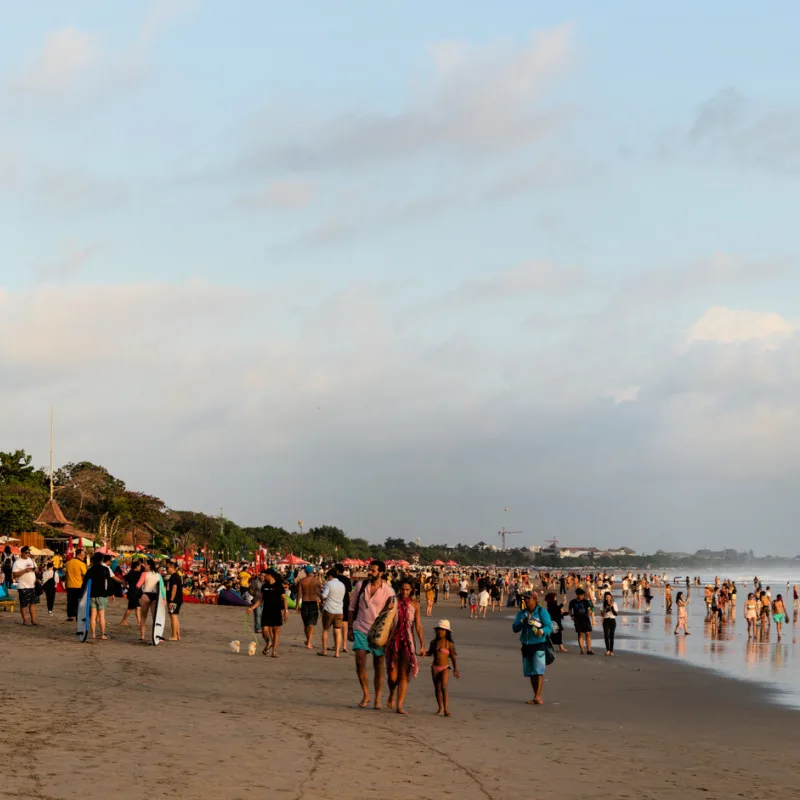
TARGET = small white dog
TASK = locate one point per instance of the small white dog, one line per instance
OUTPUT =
(234, 645)
(251, 651)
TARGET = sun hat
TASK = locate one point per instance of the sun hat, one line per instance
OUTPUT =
(444, 624)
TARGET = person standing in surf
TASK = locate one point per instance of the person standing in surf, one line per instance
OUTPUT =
(401, 655)
(367, 600)
(683, 614)
(581, 609)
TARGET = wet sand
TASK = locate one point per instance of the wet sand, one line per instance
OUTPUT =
(193, 720)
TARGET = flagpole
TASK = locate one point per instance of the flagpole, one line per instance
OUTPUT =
(51, 452)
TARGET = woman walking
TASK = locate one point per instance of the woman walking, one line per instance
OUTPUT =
(401, 654)
(557, 613)
(49, 584)
(609, 612)
(683, 614)
(751, 615)
(274, 610)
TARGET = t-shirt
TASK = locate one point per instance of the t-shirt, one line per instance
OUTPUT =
(580, 607)
(176, 583)
(473, 599)
(463, 586)
(333, 594)
(132, 579)
(100, 577)
(244, 578)
(483, 598)
(28, 580)
(76, 569)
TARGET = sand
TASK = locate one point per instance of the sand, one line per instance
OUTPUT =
(192, 720)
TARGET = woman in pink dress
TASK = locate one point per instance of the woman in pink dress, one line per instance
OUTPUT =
(401, 653)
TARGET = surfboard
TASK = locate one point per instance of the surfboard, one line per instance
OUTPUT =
(84, 612)
(160, 613)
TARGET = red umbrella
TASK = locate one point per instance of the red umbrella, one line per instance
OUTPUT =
(292, 560)
(105, 551)
(451, 563)
(438, 563)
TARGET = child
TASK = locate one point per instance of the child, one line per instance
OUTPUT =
(483, 602)
(442, 649)
(473, 605)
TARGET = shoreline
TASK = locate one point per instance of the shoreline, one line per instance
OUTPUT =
(198, 720)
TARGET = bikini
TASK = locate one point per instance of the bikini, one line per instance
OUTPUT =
(446, 652)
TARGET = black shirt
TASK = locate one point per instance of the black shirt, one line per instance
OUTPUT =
(101, 580)
(176, 582)
(132, 578)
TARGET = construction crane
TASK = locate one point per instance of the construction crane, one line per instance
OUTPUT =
(502, 533)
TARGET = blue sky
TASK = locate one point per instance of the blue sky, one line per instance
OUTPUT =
(398, 266)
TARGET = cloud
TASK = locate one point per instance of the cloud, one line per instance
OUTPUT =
(66, 56)
(70, 264)
(290, 194)
(529, 278)
(479, 101)
(160, 15)
(627, 394)
(732, 126)
(730, 326)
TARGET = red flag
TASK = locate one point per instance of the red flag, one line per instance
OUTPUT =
(187, 561)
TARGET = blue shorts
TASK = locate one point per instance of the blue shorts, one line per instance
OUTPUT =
(360, 643)
(533, 664)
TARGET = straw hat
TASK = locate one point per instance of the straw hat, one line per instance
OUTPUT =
(444, 624)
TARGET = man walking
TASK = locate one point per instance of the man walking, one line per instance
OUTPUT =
(332, 612)
(101, 578)
(24, 573)
(308, 603)
(533, 624)
(76, 569)
(581, 610)
(368, 599)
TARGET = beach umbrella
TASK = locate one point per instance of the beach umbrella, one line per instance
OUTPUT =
(451, 563)
(46, 551)
(292, 560)
(438, 563)
(35, 551)
(105, 551)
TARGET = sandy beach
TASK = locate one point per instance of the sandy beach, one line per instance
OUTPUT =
(192, 720)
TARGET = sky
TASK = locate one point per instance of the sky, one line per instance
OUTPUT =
(399, 266)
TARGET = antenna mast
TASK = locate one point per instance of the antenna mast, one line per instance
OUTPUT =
(51, 452)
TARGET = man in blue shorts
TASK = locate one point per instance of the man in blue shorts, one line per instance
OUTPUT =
(367, 600)
(533, 624)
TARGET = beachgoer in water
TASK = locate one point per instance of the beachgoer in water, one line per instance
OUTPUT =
(580, 609)
(443, 650)
(401, 655)
(751, 615)
(683, 614)
(779, 613)
(609, 612)
(667, 599)
(534, 625)
(367, 600)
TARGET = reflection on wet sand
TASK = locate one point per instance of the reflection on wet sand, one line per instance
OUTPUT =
(720, 641)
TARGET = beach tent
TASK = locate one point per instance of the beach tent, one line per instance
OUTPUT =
(105, 551)
(351, 562)
(292, 561)
(451, 563)
(438, 563)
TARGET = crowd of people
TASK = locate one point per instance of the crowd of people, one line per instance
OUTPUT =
(345, 609)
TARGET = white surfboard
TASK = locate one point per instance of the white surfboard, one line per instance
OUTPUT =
(160, 613)
(84, 612)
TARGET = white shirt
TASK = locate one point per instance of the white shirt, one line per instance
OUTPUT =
(483, 598)
(463, 586)
(28, 580)
(333, 593)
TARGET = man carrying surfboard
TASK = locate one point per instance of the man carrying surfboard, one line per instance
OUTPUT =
(367, 600)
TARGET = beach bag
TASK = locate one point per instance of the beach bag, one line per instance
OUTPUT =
(549, 652)
(379, 632)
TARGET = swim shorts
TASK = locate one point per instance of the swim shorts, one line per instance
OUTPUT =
(533, 662)
(27, 597)
(360, 643)
(583, 624)
(329, 620)
(310, 613)
(99, 603)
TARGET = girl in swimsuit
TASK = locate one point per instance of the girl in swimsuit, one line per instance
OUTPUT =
(751, 615)
(443, 651)
(401, 657)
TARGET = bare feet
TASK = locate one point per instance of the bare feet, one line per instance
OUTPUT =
(448, 714)
(378, 705)
(365, 702)
(400, 711)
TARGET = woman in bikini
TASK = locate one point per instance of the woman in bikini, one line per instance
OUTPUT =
(751, 615)
(430, 596)
(443, 651)
(683, 614)
(401, 656)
